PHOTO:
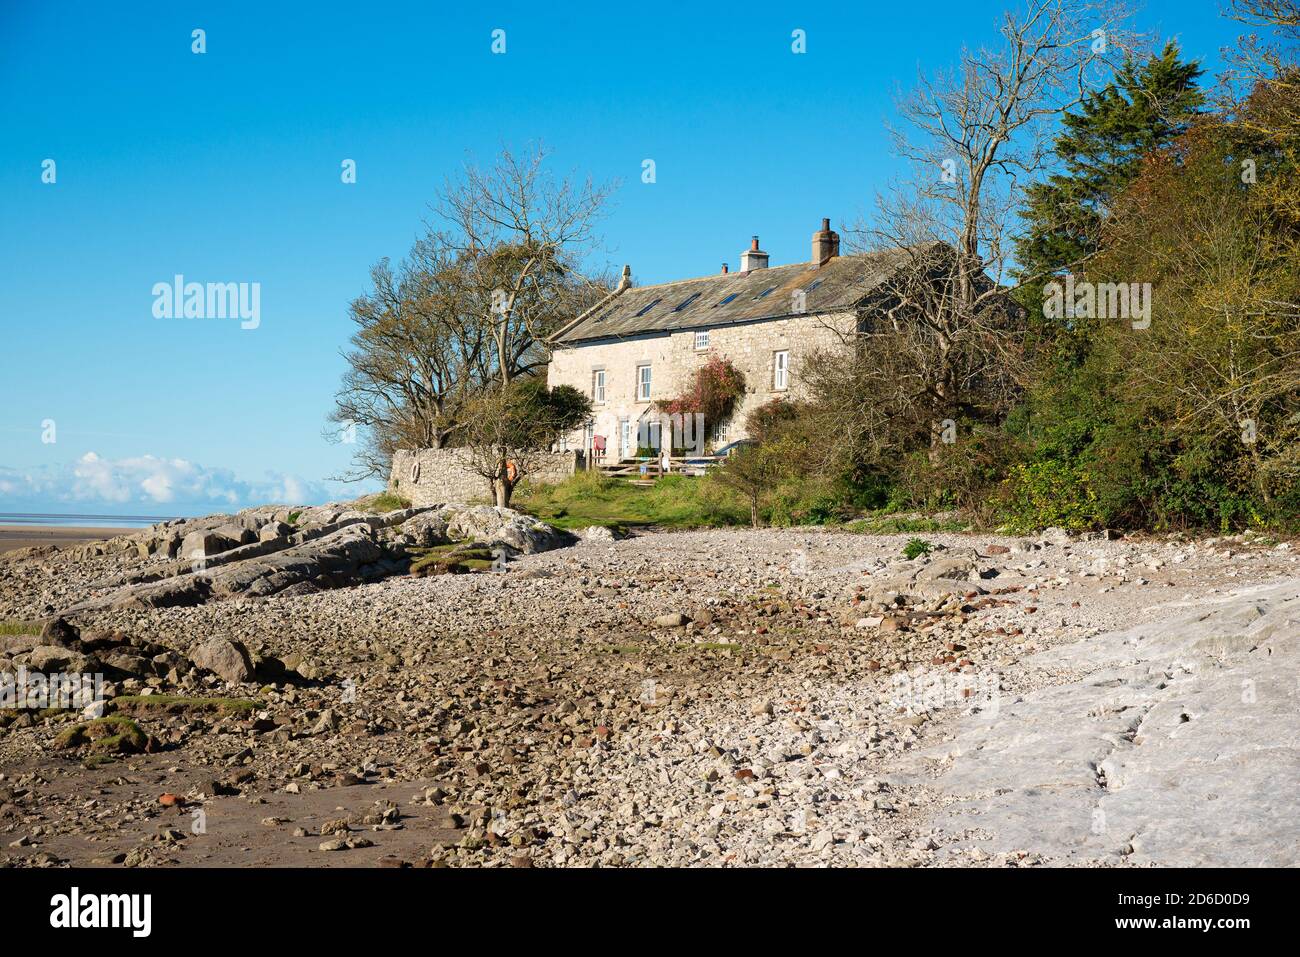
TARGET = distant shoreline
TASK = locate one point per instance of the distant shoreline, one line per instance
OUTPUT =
(24, 536)
(80, 520)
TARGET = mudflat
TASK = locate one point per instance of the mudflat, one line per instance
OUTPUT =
(26, 536)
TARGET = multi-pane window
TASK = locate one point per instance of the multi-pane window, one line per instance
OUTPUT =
(643, 383)
(701, 339)
(781, 371)
(598, 386)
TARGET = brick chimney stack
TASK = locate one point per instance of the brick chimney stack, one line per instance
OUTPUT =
(753, 257)
(825, 243)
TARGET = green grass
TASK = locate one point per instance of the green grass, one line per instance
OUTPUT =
(17, 626)
(174, 704)
(115, 734)
(589, 498)
(386, 502)
(678, 501)
(452, 559)
(883, 523)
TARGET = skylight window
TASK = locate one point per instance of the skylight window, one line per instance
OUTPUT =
(726, 299)
(648, 308)
(686, 302)
(765, 292)
(813, 285)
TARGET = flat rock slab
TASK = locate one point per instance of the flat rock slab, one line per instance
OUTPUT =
(1180, 748)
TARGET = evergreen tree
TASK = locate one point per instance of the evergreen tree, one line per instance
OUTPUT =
(1101, 149)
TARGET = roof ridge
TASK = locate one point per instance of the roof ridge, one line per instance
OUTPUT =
(809, 264)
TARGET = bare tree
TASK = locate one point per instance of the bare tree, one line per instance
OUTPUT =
(414, 361)
(1269, 60)
(468, 310)
(520, 234)
(950, 343)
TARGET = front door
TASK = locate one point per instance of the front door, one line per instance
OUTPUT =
(625, 448)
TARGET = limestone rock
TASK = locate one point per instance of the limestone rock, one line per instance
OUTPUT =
(229, 659)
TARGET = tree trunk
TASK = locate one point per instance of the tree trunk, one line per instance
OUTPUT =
(505, 489)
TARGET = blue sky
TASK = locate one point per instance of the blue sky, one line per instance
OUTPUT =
(225, 167)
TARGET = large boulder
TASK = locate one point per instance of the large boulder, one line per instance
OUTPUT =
(205, 543)
(273, 530)
(493, 525)
(482, 524)
(328, 561)
(424, 530)
(957, 571)
(949, 570)
(47, 658)
(228, 659)
(58, 631)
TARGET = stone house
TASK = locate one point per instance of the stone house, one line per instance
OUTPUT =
(641, 344)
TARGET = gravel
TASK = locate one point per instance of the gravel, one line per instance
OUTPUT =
(722, 697)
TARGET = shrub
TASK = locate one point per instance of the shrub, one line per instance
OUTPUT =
(960, 475)
(916, 547)
(1048, 493)
(714, 391)
(766, 422)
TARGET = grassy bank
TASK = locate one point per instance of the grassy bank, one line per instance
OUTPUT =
(589, 498)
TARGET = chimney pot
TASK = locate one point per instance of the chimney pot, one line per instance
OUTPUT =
(825, 243)
(724, 269)
(753, 257)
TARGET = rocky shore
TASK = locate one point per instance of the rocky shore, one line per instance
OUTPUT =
(318, 687)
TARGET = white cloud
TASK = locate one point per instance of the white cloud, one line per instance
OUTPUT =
(159, 485)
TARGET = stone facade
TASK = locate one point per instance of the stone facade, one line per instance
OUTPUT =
(436, 476)
(673, 357)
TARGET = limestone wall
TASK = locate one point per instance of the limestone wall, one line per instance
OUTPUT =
(436, 476)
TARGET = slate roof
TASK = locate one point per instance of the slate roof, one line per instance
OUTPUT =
(735, 297)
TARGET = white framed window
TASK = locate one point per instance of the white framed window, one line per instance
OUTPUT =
(643, 383)
(721, 433)
(598, 385)
(701, 339)
(781, 370)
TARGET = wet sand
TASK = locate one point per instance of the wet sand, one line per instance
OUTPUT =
(23, 536)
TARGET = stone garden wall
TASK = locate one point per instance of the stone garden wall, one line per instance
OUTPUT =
(436, 476)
